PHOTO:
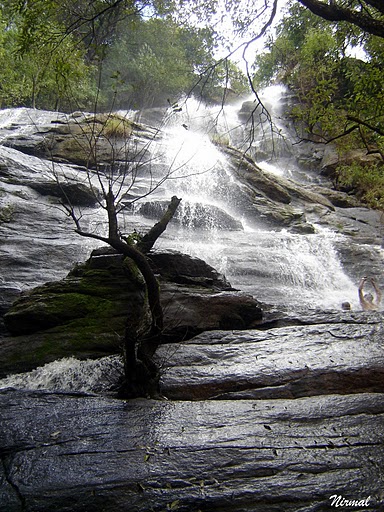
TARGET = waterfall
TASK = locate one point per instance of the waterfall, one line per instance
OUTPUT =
(278, 267)
(70, 374)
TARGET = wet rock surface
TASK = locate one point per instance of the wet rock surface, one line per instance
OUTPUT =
(79, 138)
(286, 362)
(277, 419)
(83, 453)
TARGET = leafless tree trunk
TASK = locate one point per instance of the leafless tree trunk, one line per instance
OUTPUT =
(140, 371)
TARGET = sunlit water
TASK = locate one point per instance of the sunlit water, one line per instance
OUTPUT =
(277, 267)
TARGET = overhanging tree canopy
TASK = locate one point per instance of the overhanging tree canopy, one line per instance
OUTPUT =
(368, 15)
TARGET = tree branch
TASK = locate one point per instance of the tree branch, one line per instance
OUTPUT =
(375, 129)
(334, 12)
(149, 239)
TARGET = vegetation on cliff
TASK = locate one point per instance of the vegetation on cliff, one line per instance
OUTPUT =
(338, 97)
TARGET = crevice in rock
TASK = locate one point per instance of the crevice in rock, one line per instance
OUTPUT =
(16, 491)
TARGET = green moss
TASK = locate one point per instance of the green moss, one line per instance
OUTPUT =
(220, 139)
(79, 149)
(132, 270)
(85, 313)
(88, 334)
(74, 305)
(117, 126)
(7, 213)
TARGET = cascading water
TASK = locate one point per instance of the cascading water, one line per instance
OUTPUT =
(71, 374)
(277, 267)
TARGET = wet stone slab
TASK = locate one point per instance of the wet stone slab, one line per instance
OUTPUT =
(66, 452)
(286, 362)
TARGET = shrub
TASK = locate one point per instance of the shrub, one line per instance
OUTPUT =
(367, 182)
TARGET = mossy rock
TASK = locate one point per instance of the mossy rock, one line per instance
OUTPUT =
(97, 138)
(26, 352)
(43, 311)
(92, 300)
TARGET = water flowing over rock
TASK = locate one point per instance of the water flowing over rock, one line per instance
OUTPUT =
(194, 215)
(271, 396)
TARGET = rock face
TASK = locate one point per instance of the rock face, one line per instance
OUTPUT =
(84, 314)
(333, 358)
(89, 292)
(76, 194)
(297, 423)
(82, 453)
(274, 200)
(80, 138)
(183, 269)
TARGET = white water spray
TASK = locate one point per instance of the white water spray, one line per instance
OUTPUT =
(70, 374)
(277, 267)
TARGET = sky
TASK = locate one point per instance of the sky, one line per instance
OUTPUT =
(247, 54)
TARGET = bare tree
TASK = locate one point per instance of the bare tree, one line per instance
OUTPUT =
(115, 165)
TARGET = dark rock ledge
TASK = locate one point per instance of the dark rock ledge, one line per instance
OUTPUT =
(286, 362)
(86, 453)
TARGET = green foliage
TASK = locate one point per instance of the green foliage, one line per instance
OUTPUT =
(367, 182)
(157, 59)
(133, 238)
(338, 98)
(74, 55)
(41, 73)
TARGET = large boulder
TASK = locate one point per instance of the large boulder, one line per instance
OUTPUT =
(196, 298)
(189, 312)
(89, 292)
(180, 268)
(85, 314)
